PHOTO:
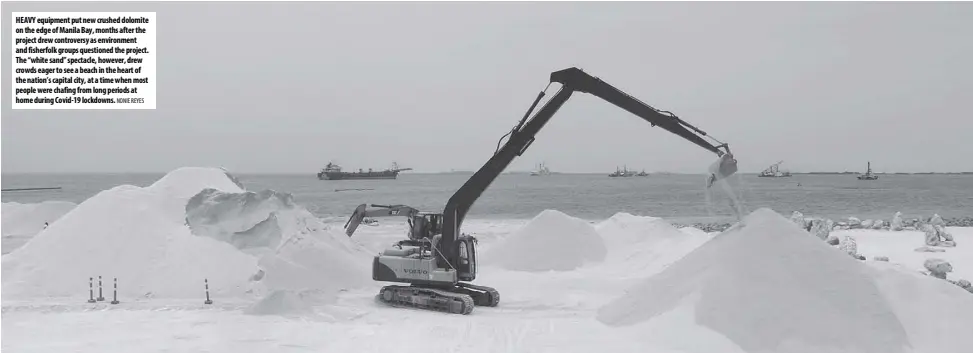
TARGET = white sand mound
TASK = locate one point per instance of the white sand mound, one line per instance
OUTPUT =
(264, 234)
(323, 261)
(141, 236)
(552, 241)
(297, 250)
(693, 231)
(283, 303)
(27, 219)
(624, 229)
(935, 313)
(645, 244)
(184, 183)
(137, 235)
(305, 305)
(768, 286)
(244, 219)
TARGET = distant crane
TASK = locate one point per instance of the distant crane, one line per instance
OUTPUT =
(868, 174)
(774, 172)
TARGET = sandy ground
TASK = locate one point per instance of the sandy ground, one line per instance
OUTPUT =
(539, 312)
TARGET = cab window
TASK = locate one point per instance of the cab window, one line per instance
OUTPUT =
(463, 254)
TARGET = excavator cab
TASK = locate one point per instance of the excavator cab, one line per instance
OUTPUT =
(425, 225)
(428, 226)
(435, 222)
(466, 268)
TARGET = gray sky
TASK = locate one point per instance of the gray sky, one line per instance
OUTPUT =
(288, 87)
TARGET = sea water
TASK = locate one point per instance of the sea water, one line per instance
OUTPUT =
(681, 198)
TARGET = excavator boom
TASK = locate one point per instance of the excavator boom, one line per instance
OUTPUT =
(381, 211)
(571, 80)
(577, 80)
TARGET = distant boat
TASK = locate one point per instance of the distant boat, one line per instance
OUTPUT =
(541, 170)
(868, 174)
(622, 173)
(333, 172)
(642, 173)
(774, 172)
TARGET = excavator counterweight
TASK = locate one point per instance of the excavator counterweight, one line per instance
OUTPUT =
(439, 261)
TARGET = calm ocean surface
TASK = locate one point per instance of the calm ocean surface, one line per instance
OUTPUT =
(681, 198)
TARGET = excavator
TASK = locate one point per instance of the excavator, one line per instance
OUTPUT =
(438, 261)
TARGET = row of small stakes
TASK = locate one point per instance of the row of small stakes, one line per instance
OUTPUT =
(91, 291)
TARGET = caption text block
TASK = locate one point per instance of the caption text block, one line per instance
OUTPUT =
(83, 60)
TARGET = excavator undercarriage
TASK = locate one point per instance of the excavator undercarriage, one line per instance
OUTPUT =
(460, 299)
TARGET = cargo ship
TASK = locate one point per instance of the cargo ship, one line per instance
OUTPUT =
(333, 171)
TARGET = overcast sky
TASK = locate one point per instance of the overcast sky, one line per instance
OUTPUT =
(288, 87)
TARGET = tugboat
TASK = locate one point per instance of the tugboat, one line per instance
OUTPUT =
(774, 172)
(333, 171)
(541, 170)
(642, 173)
(868, 174)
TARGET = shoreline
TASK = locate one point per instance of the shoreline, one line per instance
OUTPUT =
(908, 223)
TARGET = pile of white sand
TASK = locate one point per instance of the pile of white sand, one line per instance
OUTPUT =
(137, 235)
(552, 241)
(244, 219)
(297, 250)
(283, 303)
(623, 230)
(324, 261)
(768, 286)
(141, 236)
(642, 244)
(935, 313)
(304, 305)
(27, 219)
(21, 222)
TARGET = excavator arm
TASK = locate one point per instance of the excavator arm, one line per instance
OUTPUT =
(381, 211)
(521, 136)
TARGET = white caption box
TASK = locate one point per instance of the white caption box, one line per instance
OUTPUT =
(83, 60)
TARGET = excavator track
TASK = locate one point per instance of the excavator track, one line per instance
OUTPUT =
(482, 295)
(427, 299)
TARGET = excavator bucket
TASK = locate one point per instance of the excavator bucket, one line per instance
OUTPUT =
(722, 168)
(355, 220)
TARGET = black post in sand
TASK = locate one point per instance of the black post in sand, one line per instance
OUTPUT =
(100, 297)
(115, 294)
(208, 301)
(91, 290)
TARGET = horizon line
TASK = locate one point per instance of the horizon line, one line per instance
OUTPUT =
(471, 172)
